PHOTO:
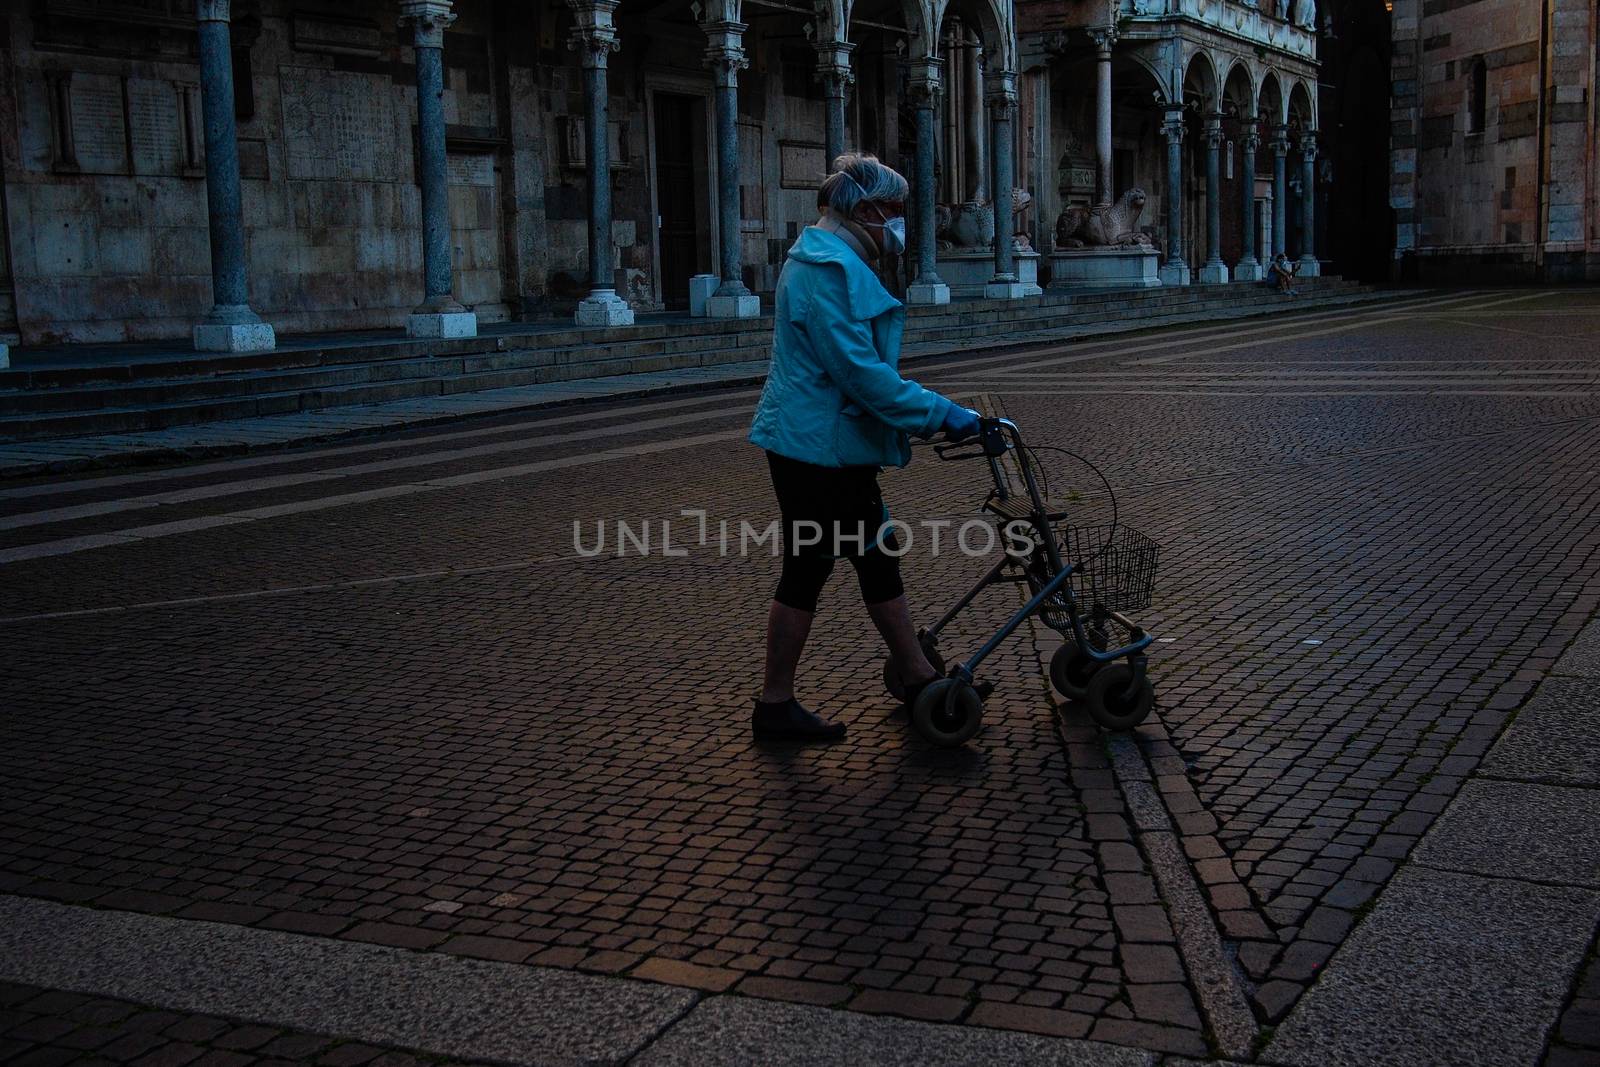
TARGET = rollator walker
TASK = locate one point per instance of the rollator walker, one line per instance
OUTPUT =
(1081, 579)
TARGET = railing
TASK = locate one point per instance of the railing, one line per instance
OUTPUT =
(1233, 17)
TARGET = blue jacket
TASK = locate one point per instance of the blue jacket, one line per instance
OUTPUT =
(834, 395)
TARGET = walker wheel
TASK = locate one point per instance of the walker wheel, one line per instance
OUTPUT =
(1109, 702)
(1071, 669)
(948, 712)
(891, 674)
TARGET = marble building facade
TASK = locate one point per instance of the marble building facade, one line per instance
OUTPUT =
(1495, 172)
(225, 171)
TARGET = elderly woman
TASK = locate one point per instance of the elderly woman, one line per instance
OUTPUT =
(835, 411)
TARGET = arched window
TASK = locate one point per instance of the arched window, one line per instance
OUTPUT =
(1477, 95)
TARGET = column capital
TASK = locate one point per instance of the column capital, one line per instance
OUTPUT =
(212, 10)
(595, 32)
(1000, 89)
(1173, 125)
(1280, 140)
(1308, 144)
(428, 20)
(925, 81)
(725, 53)
(833, 63)
(1213, 131)
(1104, 38)
(1250, 139)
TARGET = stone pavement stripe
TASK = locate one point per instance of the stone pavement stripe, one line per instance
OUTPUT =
(278, 459)
(1453, 970)
(734, 1032)
(440, 1003)
(289, 429)
(474, 1009)
(1216, 982)
(316, 587)
(44, 549)
(1537, 833)
(1369, 322)
(1276, 325)
(104, 540)
(423, 459)
(223, 489)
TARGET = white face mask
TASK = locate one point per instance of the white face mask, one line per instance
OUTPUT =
(894, 233)
(894, 229)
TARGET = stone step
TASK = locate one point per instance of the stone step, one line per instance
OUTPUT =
(34, 426)
(159, 403)
(307, 375)
(213, 386)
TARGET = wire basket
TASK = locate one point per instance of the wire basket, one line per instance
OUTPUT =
(1116, 572)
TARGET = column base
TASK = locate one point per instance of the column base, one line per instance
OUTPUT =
(1310, 267)
(702, 287)
(603, 307)
(1248, 270)
(737, 306)
(1214, 274)
(234, 337)
(928, 293)
(1175, 272)
(431, 325)
(1005, 289)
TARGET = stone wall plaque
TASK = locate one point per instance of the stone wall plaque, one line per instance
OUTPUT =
(155, 127)
(99, 134)
(338, 125)
(801, 164)
(476, 168)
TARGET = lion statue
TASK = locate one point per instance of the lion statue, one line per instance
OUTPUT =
(1104, 225)
(971, 225)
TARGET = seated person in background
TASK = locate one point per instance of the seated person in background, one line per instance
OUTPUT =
(1282, 273)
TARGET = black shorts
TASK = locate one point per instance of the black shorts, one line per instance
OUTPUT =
(828, 511)
(832, 513)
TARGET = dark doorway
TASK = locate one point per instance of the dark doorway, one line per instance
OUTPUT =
(681, 181)
(1355, 225)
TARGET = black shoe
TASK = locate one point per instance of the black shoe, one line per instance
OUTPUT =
(790, 720)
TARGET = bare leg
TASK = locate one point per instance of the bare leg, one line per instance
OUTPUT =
(787, 630)
(893, 620)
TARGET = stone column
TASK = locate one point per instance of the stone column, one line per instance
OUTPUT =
(836, 77)
(1309, 266)
(1104, 189)
(438, 315)
(1248, 268)
(1215, 270)
(974, 165)
(595, 37)
(231, 326)
(929, 288)
(1175, 271)
(1280, 189)
(1000, 93)
(725, 56)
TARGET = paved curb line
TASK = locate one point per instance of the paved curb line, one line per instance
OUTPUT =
(1216, 982)
(257, 434)
(1472, 949)
(476, 1009)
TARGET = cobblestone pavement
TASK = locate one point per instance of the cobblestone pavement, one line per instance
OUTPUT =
(371, 691)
